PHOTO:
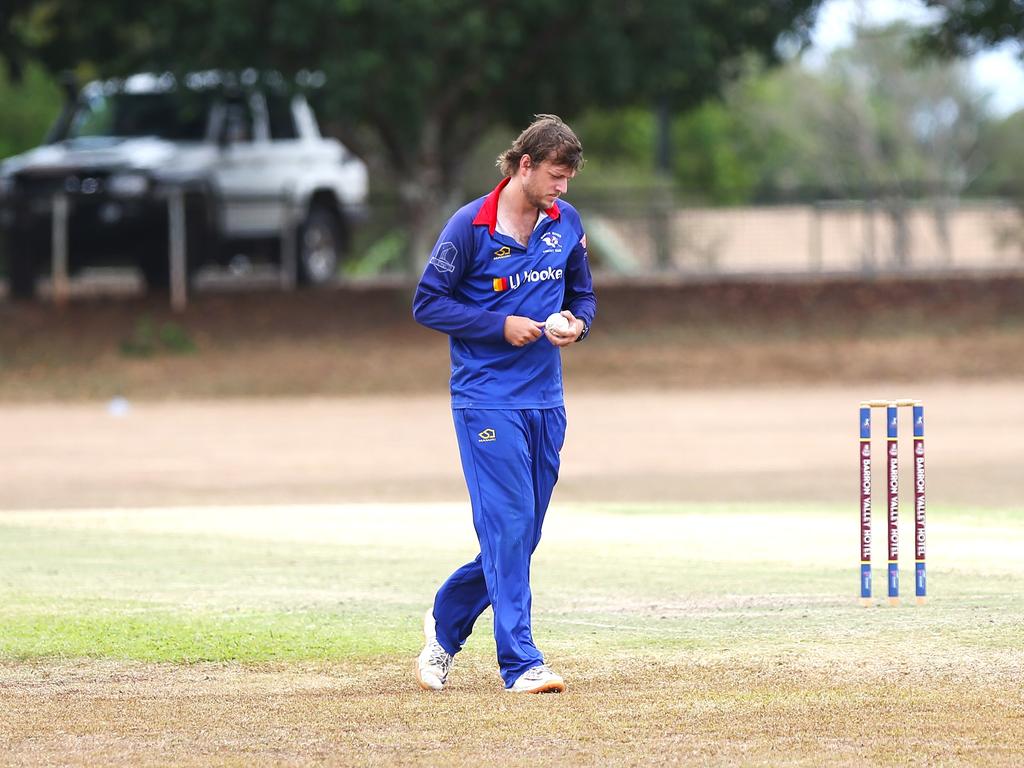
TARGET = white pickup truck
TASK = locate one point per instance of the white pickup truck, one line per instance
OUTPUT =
(247, 156)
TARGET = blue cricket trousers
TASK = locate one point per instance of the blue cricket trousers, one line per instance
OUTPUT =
(510, 460)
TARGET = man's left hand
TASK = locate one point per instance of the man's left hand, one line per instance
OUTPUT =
(575, 329)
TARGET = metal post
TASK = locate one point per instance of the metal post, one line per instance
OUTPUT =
(817, 257)
(177, 255)
(289, 257)
(869, 246)
(663, 208)
(59, 249)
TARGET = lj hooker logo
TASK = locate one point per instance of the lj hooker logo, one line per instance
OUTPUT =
(512, 282)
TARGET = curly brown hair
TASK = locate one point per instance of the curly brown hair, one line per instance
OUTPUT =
(546, 138)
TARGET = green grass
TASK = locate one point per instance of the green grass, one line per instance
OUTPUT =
(705, 635)
(317, 583)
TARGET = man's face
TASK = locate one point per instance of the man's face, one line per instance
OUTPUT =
(544, 182)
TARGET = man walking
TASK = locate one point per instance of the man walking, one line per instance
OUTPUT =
(503, 264)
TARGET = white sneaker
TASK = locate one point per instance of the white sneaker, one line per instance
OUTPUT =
(538, 679)
(434, 661)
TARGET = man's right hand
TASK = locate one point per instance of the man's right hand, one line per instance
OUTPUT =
(520, 331)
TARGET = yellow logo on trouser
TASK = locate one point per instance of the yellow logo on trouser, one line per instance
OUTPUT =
(487, 436)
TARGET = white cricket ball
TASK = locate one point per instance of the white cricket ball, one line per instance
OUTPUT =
(557, 324)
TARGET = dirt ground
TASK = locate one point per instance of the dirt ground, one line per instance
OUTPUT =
(785, 444)
(776, 712)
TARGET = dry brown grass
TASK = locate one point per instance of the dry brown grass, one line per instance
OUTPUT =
(626, 711)
(358, 342)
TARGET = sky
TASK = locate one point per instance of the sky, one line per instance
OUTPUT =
(1000, 71)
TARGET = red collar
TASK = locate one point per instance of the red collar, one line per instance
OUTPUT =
(488, 213)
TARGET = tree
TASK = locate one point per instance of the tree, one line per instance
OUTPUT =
(1004, 146)
(890, 127)
(872, 118)
(967, 26)
(29, 108)
(19, 22)
(425, 78)
(896, 123)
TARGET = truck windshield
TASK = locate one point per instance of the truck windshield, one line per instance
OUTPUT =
(170, 115)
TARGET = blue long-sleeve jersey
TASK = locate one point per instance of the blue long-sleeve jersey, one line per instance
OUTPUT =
(476, 277)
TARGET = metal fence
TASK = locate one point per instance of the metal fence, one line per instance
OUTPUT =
(650, 236)
(849, 236)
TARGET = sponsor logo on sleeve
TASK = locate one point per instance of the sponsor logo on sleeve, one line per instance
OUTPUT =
(444, 257)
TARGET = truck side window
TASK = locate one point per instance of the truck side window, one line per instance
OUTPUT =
(238, 123)
(282, 122)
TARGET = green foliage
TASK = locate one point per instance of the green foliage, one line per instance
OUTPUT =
(1003, 142)
(901, 119)
(425, 79)
(176, 339)
(402, 62)
(429, 76)
(875, 119)
(148, 339)
(29, 107)
(715, 160)
(621, 137)
(966, 27)
(379, 256)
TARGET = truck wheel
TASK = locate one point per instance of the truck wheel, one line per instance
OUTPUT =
(21, 274)
(320, 246)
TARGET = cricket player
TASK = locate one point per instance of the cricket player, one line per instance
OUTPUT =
(502, 265)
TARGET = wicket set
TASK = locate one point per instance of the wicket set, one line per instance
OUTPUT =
(892, 498)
